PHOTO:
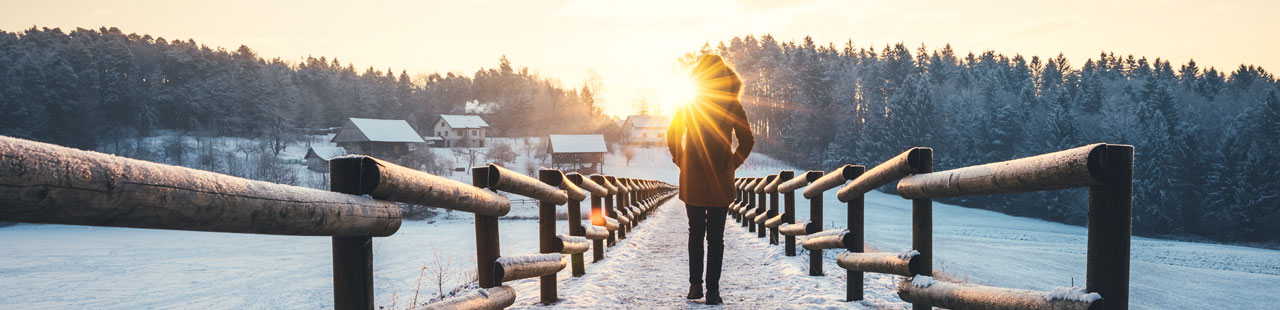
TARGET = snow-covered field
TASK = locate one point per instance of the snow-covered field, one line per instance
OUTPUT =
(56, 266)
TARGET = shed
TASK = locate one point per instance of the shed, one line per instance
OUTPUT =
(318, 157)
(577, 153)
(377, 137)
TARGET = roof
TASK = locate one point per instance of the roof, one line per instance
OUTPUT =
(464, 121)
(378, 130)
(649, 121)
(578, 144)
(325, 152)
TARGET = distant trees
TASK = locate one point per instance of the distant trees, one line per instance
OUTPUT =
(1207, 141)
(94, 87)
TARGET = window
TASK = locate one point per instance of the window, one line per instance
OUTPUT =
(475, 132)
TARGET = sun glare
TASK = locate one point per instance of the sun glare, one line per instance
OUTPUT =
(675, 90)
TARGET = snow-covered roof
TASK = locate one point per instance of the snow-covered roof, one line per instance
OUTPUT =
(325, 152)
(464, 121)
(578, 144)
(649, 121)
(379, 130)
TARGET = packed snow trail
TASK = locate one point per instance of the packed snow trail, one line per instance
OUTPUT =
(649, 270)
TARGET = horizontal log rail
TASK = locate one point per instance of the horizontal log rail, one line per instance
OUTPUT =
(914, 160)
(775, 221)
(44, 183)
(922, 289)
(828, 239)
(800, 181)
(1076, 167)
(498, 297)
(903, 264)
(527, 266)
(829, 180)
(797, 229)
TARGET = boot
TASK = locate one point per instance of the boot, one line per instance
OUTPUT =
(713, 297)
(695, 292)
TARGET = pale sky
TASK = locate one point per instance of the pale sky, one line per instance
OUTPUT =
(633, 44)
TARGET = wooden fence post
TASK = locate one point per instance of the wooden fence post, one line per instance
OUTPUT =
(547, 232)
(488, 248)
(815, 218)
(774, 208)
(352, 256)
(856, 222)
(575, 229)
(1110, 216)
(789, 212)
(922, 222)
(747, 221)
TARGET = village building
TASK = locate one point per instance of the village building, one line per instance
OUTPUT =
(318, 157)
(377, 137)
(577, 153)
(460, 130)
(646, 129)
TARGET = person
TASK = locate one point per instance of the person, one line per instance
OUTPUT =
(700, 139)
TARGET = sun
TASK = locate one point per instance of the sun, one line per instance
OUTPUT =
(674, 90)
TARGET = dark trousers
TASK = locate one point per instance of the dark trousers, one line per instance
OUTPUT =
(709, 222)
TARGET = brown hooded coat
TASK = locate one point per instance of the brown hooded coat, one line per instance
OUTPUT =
(701, 135)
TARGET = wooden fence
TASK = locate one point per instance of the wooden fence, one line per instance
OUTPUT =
(44, 183)
(1106, 169)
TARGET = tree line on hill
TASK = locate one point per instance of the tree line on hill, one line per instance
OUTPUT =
(92, 87)
(1207, 142)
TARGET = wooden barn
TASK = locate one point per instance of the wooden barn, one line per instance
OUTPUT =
(318, 157)
(378, 137)
(577, 153)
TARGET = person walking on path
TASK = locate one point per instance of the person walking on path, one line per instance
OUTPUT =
(700, 139)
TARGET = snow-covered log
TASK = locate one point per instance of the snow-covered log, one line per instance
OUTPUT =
(1081, 166)
(907, 163)
(761, 218)
(603, 181)
(387, 181)
(759, 189)
(888, 263)
(571, 188)
(597, 233)
(572, 244)
(511, 268)
(772, 187)
(830, 180)
(513, 182)
(799, 181)
(610, 223)
(45, 183)
(775, 221)
(499, 297)
(796, 229)
(750, 215)
(587, 184)
(623, 219)
(622, 189)
(925, 290)
(828, 239)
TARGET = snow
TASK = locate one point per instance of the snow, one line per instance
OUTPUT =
(922, 281)
(578, 144)
(1075, 293)
(907, 254)
(464, 121)
(326, 152)
(529, 259)
(387, 130)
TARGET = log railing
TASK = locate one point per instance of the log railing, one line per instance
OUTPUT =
(1107, 169)
(44, 183)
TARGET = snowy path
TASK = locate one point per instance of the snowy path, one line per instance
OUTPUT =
(649, 270)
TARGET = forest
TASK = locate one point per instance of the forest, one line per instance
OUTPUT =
(1206, 140)
(93, 87)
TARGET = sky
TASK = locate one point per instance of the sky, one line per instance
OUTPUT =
(633, 44)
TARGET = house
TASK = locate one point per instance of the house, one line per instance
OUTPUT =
(646, 129)
(318, 157)
(377, 137)
(577, 153)
(460, 130)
